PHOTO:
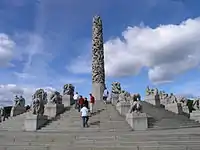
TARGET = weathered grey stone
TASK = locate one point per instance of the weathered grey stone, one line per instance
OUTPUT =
(123, 107)
(153, 99)
(34, 122)
(195, 115)
(114, 98)
(68, 89)
(55, 98)
(137, 121)
(17, 110)
(174, 107)
(39, 99)
(98, 71)
(66, 100)
(97, 91)
(52, 110)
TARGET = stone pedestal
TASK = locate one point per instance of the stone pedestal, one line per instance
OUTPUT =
(97, 91)
(52, 110)
(34, 122)
(123, 108)
(137, 121)
(195, 115)
(174, 107)
(17, 111)
(153, 99)
(67, 100)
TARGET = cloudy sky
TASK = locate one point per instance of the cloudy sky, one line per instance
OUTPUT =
(47, 43)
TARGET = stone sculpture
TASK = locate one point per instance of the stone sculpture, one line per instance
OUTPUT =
(148, 91)
(19, 101)
(172, 98)
(68, 89)
(136, 107)
(98, 70)
(116, 88)
(18, 107)
(56, 98)
(151, 91)
(38, 102)
(1, 114)
(122, 97)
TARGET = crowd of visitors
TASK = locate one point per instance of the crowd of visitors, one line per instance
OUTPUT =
(86, 107)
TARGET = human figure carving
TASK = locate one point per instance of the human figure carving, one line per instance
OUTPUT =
(39, 99)
(148, 91)
(68, 89)
(116, 88)
(56, 98)
(136, 107)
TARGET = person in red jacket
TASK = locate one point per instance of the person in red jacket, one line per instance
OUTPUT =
(80, 102)
(92, 102)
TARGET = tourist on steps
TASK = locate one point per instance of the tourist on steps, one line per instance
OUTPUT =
(105, 95)
(86, 103)
(80, 103)
(84, 114)
(76, 98)
(92, 101)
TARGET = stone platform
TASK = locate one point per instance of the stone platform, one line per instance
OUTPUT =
(108, 131)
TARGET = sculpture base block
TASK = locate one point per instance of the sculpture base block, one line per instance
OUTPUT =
(97, 90)
(153, 99)
(137, 121)
(123, 108)
(174, 107)
(67, 100)
(17, 111)
(52, 110)
(34, 122)
(195, 115)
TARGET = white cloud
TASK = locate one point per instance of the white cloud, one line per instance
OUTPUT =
(8, 92)
(80, 66)
(165, 51)
(6, 50)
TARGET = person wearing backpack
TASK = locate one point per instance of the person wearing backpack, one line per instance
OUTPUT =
(105, 95)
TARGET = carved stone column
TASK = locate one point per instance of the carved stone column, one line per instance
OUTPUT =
(98, 71)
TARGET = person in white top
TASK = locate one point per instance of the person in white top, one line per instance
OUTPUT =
(105, 95)
(84, 114)
(76, 98)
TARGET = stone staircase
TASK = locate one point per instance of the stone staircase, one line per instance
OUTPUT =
(164, 119)
(107, 131)
(15, 123)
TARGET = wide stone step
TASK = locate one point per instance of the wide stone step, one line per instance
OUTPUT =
(92, 147)
(163, 119)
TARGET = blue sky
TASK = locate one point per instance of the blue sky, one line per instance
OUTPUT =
(47, 43)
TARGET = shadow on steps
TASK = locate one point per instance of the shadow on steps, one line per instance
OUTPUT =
(55, 118)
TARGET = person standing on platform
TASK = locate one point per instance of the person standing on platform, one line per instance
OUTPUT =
(80, 103)
(105, 95)
(76, 98)
(92, 102)
(86, 103)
